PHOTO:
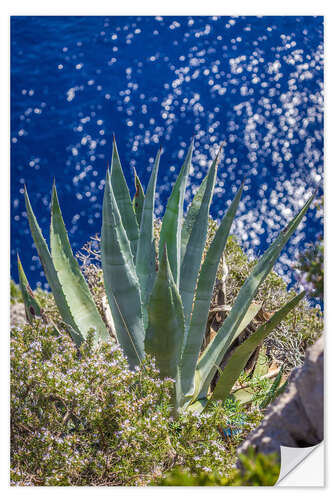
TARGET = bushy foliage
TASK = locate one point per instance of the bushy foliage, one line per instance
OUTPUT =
(311, 269)
(257, 470)
(301, 328)
(80, 417)
(72, 410)
(15, 292)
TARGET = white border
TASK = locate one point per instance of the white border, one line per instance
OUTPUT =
(127, 7)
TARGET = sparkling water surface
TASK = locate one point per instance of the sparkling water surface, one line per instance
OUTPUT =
(255, 83)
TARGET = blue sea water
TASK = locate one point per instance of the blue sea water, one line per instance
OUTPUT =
(255, 83)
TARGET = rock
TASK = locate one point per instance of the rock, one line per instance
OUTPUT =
(296, 418)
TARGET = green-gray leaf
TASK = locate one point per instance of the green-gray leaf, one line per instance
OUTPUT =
(50, 271)
(242, 353)
(195, 247)
(217, 348)
(74, 286)
(120, 280)
(203, 298)
(123, 199)
(146, 254)
(173, 219)
(165, 332)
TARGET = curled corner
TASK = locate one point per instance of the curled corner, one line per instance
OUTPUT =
(292, 457)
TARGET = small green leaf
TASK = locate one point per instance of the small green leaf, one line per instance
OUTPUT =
(273, 390)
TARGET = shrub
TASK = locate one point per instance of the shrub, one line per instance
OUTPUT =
(257, 470)
(80, 417)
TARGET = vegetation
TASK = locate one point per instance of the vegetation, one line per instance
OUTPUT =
(91, 409)
(257, 470)
(160, 301)
(311, 268)
(46, 365)
(81, 417)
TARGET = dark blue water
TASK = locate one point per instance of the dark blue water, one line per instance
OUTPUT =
(254, 82)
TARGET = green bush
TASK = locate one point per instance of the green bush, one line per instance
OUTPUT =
(80, 417)
(257, 470)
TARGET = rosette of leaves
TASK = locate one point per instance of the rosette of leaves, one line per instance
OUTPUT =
(160, 298)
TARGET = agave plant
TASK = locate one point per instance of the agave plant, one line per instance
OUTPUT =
(160, 298)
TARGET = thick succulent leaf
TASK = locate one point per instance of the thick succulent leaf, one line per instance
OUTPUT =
(281, 389)
(217, 348)
(202, 301)
(262, 364)
(120, 280)
(31, 304)
(123, 199)
(192, 215)
(138, 199)
(165, 331)
(242, 354)
(272, 390)
(195, 247)
(198, 406)
(243, 396)
(251, 313)
(50, 272)
(146, 254)
(173, 219)
(249, 316)
(74, 286)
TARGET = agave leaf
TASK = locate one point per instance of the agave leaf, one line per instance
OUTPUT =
(195, 247)
(280, 389)
(173, 219)
(251, 313)
(50, 271)
(165, 333)
(202, 301)
(273, 390)
(146, 254)
(262, 364)
(138, 199)
(243, 396)
(241, 355)
(123, 199)
(249, 316)
(74, 286)
(120, 279)
(198, 406)
(31, 304)
(192, 215)
(217, 348)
